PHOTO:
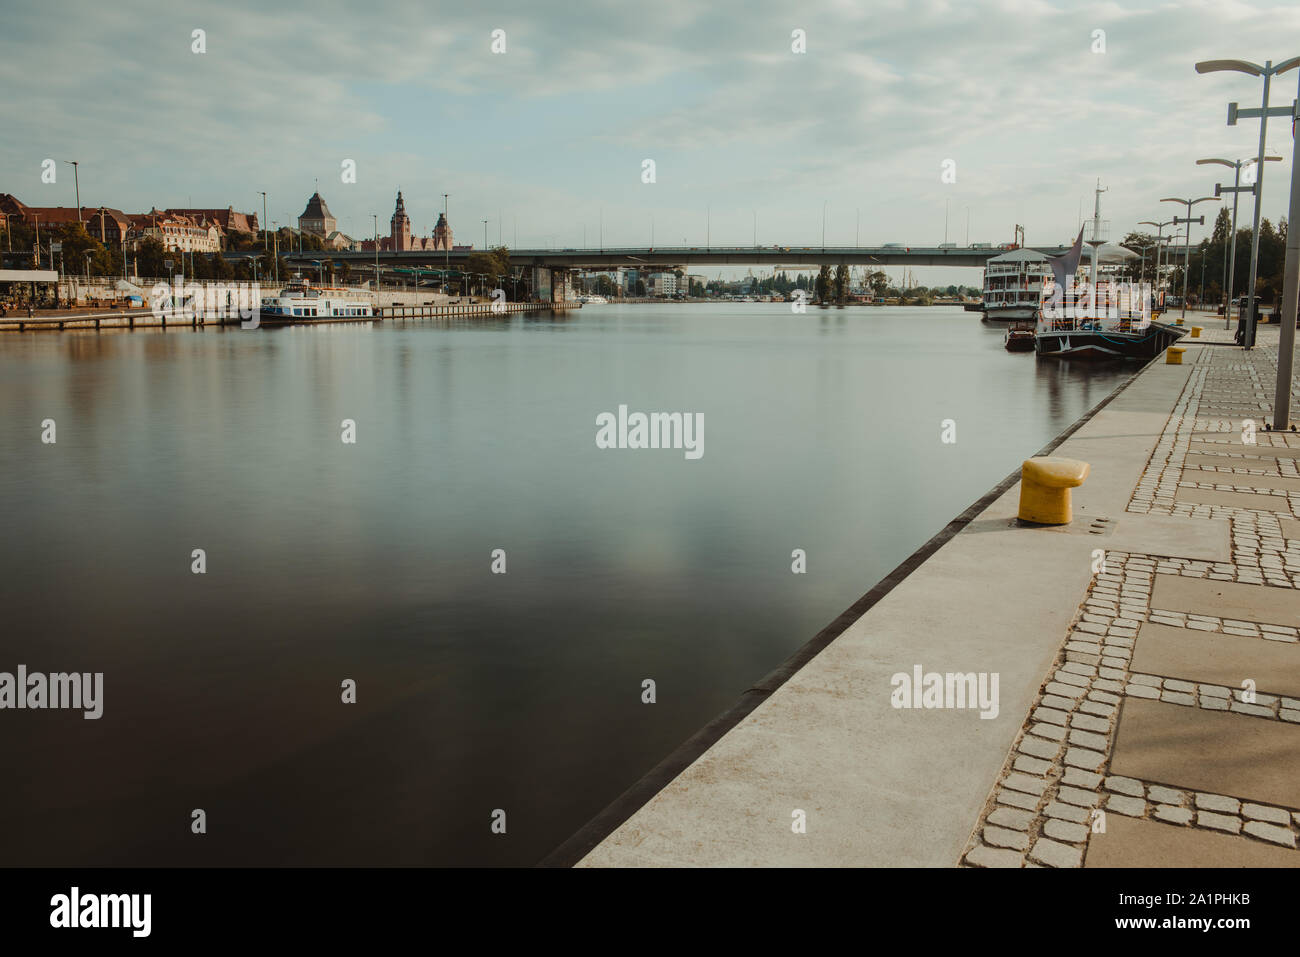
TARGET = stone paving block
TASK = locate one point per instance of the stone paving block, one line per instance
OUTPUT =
(1050, 715)
(1065, 831)
(1055, 854)
(1078, 778)
(1270, 832)
(1130, 806)
(1097, 709)
(1164, 795)
(1026, 802)
(1058, 703)
(1219, 822)
(1077, 796)
(1001, 837)
(1011, 819)
(1215, 659)
(1083, 758)
(1121, 785)
(1173, 815)
(982, 856)
(1218, 802)
(1090, 723)
(1025, 783)
(1066, 812)
(1258, 812)
(1053, 732)
(1087, 739)
(1031, 765)
(1038, 747)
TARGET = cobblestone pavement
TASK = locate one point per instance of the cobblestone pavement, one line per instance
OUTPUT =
(1059, 785)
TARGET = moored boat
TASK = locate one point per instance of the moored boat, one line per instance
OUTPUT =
(300, 301)
(1013, 285)
(1019, 337)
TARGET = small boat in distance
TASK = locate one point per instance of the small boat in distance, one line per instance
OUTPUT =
(1020, 337)
(591, 299)
(300, 301)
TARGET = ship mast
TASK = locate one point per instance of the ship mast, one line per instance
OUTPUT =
(1097, 238)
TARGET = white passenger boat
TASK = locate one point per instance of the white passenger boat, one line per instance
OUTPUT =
(1013, 285)
(591, 299)
(300, 301)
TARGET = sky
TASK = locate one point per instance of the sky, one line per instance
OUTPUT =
(548, 139)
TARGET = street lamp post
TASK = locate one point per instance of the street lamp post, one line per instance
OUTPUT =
(1230, 277)
(1267, 71)
(266, 242)
(446, 269)
(76, 179)
(1160, 232)
(1187, 236)
(375, 217)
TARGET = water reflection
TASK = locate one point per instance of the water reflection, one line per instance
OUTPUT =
(371, 562)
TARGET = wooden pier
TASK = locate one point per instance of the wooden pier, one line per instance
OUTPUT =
(144, 318)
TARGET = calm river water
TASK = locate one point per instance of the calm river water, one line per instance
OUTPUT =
(371, 561)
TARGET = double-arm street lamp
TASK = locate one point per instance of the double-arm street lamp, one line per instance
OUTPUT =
(1230, 267)
(1187, 236)
(1160, 232)
(1282, 404)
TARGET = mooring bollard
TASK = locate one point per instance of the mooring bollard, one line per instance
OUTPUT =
(1174, 355)
(1045, 484)
(1196, 332)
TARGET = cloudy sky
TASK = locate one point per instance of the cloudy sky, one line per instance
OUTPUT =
(550, 136)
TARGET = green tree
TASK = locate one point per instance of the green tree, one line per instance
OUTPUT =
(823, 286)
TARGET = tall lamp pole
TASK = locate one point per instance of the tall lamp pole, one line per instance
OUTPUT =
(1230, 276)
(1187, 235)
(76, 179)
(446, 240)
(266, 240)
(1267, 71)
(1160, 232)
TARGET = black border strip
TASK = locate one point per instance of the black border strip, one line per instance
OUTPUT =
(661, 775)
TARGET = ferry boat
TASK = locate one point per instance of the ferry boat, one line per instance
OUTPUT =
(1013, 285)
(300, 301)
(591, 299)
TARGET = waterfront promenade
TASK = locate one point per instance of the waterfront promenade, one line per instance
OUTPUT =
(1149, 710)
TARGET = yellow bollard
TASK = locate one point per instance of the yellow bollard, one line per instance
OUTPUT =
(1045, 484)
(1196, 332)
(1174, 355)
(1179, 320)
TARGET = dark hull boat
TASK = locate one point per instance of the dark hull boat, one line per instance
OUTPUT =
(1084, 339)
(1020, 337)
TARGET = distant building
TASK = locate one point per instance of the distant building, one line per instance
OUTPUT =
(401, 237)
(442, 233)
(662, 284)
(227, 220)
(176, 232)
(316, 218)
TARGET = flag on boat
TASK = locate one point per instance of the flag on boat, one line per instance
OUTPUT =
(1063, 269)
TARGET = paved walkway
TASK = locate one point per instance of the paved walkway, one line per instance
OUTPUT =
(1167, 732)
(1148, 657)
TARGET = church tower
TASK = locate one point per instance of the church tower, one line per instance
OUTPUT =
(442, 234)
(400, 227)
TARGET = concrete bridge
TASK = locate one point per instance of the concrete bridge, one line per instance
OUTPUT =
(666, 257)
